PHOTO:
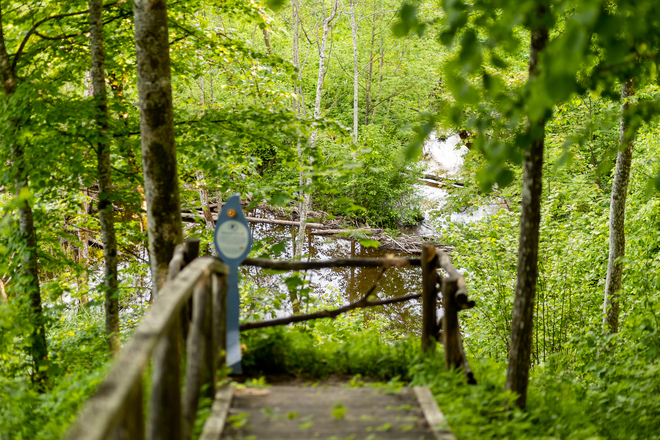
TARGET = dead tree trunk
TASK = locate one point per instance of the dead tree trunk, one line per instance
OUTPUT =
(161, 180)
(204, 199)
(105, 176)
(354, 30)
(306, 202)
(37, 339)
(528, 244)
(618, 216)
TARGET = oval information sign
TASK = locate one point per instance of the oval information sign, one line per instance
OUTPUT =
(232, 238)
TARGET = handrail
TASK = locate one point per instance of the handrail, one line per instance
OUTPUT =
(198, 290)
(104, 411)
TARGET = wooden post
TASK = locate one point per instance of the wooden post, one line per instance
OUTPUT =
(131, 426)
(429, 263)
(219, 289)
(450, 334)
(164, 420)
(196, 367)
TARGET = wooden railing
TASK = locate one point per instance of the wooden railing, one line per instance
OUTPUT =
(191, 307)
(116, 410)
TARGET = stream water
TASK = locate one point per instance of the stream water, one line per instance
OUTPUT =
(443, 158)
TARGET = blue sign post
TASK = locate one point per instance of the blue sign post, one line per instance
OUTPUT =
(233, 241)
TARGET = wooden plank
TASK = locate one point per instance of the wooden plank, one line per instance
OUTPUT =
(102, 411)
(215, 424)
(435, 418)
(352, 262)
(325, 412)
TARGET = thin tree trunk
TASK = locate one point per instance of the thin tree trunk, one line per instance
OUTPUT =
(618, 216)
(105, 176)
(528, 244)
(161, 180)
(354, 29)
(3, 293)
(204, 199)
(370, 71)
(267, 41)
(37, 339)
(306, 202)
(83, 255)
(202, 93)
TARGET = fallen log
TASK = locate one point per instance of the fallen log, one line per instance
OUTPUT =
(189, 216)
(442, 179)
(346, 231)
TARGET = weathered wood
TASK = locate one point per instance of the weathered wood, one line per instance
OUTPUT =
(190, 251)
(219, 293)
(429, 294)
(131, 426)
(215, 424)
(103, 410)
(435, 418)
(187, 216)
(345, 231)
(462, 300)
(164, 421)
(352, 262)
(450, 333)
(196, 360)
(303, 413)
(326, 313)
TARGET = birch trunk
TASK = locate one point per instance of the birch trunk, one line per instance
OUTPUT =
(161, 180)
(528, 244)
(618, 216)
(83, 253)
(37, 339)
(111, 289)
(354, 30)
(204, 199)
(306, 202)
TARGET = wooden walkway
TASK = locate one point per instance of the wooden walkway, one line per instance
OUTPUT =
(283, 412)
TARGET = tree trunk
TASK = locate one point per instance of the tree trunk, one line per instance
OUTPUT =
(618, 216)
(83, 255)
(267, 41)
(528, 244)
(37, 340)
(306, 202)
(204, 199)
(354, 29)
(105, 176)
(3, 294)
(370, 71)
(161, 180)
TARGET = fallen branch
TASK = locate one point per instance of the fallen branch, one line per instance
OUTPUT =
(187, 215)
(361, 303)
(442, 179)
(345, 231)
(352, 262)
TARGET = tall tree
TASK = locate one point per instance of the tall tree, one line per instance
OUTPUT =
(102, 144)
(530, 217)
(161, 181)
(37, 340)
(618, 215)
(356, 90)
(306, 202)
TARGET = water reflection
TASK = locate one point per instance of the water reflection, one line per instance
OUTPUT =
(351, 283)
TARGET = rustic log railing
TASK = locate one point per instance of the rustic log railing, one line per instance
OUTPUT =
(116, 410)
(191, 307)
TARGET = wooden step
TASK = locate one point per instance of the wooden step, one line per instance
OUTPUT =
(288, 412)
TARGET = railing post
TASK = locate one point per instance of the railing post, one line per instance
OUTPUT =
(429, 293)
(131, 426)
(164, 419)
(219, 291)
(199, 351)
(450, 334)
